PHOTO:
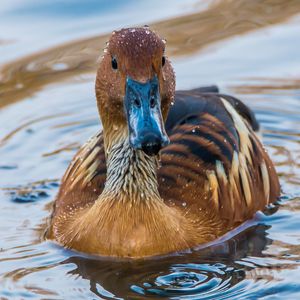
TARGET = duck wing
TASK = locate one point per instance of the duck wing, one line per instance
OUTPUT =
(215, 161)
(84, 179)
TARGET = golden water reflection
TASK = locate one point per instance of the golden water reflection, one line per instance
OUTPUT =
(185, 35)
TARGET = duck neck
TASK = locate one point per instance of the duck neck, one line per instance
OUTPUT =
(131, 174)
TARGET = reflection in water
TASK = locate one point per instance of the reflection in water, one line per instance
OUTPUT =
(42, 126)
(184, 34)
(262, 85)
(203, 273)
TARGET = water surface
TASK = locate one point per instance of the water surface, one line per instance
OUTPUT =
(48, 56)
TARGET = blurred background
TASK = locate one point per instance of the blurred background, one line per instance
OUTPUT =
(49, 52)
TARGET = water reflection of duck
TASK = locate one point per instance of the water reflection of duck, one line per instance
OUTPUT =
(122, 197)
(209, 269)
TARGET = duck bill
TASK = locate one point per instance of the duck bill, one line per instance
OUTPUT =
(144, 118)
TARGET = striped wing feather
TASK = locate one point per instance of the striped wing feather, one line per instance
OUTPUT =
(215, 160)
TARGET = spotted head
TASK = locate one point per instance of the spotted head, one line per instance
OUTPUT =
(135, 85)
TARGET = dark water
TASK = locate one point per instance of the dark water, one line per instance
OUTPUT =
(47, 110)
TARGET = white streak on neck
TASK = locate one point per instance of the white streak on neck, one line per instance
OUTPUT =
(131, 174)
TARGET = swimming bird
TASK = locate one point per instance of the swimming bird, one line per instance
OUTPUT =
(169, 171)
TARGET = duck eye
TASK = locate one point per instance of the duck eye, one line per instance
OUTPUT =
(163, 60)
(114, 63)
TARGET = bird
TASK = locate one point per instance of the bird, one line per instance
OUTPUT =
(170, 170)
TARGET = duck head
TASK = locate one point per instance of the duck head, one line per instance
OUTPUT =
(135, 86)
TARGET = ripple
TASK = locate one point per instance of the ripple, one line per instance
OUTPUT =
(8, 167)
(32, 192)
(189, 281)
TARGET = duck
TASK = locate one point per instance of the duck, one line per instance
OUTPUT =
(170, 171)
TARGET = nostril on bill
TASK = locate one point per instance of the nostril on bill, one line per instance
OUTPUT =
(151, 149)
(151, 145)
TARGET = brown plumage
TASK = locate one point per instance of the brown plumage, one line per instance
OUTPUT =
(118, 201)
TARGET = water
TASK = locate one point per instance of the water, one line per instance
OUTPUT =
(47, 110)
